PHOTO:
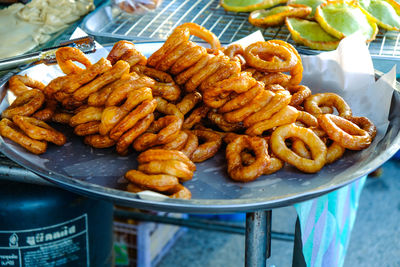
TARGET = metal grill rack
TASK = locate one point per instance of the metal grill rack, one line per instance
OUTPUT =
(107, 21)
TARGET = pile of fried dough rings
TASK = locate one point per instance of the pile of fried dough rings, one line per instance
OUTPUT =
(179, 106)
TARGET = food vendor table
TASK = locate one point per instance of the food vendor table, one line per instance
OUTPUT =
(98, 174)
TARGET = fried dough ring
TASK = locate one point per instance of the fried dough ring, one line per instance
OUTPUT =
(178, 143)
(158, 182)
(218, 95)
(129, 136)
(218, 119)
(170, 167)
(299, 94)
(209, 148)
(188, 102)
(47, 112)
(255, 52)
(277, 102)
(161, 154)
(39, 130)
(296, 73)
(86, 115)
(62, 117)
(88, 128)
(18, 84)
(65, 57)
(202, 33)
(116, 71)
(312, 104)
(343, 131)
(195, 117)
(125, 50)
(254, 106)
(236, 170)
(242, 99)
(286, 115)
(192, 142)
(317, 147)
(10, 130)
(26, 104)
(72, 82)
(141, 111)
(99, 141)
(188, 59)
(121, 90)
(365, 124)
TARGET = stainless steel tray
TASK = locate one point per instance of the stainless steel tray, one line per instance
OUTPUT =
(99, 173)
(228, 26)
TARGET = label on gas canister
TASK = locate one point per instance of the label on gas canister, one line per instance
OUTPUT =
(62, 244)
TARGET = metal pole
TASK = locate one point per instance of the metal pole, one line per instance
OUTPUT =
(258, 238)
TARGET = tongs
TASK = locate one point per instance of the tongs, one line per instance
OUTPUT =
(47, 56)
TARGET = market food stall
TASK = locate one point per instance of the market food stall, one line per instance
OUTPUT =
(98, 173)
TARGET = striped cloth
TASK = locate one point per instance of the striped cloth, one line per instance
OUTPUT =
(326, 223)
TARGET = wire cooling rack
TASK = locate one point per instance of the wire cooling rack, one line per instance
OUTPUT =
(157, 25)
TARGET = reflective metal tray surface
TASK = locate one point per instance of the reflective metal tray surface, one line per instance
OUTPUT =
(99, 173)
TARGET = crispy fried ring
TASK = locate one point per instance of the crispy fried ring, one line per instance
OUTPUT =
(213, 65)
(192, 142)
(47, 112)
(279, 101)
(166, 127)
(165, 107)
(178, 143)
(211, 145)
(365, 124)
(218, 120)
(161, 154)
(141, 111)
(129, 136)
(195, 117)
(65, 56)
(286, 115)
(158, 182)
(242, 99)
(343, 131)
(188, 102)
(255, 52)
(231, 69)
(317, 147)
(254, 106)
(98, 141)
(116, 71)
(274, 165)
(180, 192)
(299, 94)
(170, 167)
(39, 130)
(308, 119)
(26, 104)
(88, 128)
(18, 84)
(218, 95)
(312, 104)
(188, 59)
(178, 36)
(9, 130)
(85, 115)
(62, 117)
(202, 33)
(296, 72)
(236, 170)
(125, 50)
(72, 82)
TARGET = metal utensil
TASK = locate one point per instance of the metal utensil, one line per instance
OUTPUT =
(47, 56)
